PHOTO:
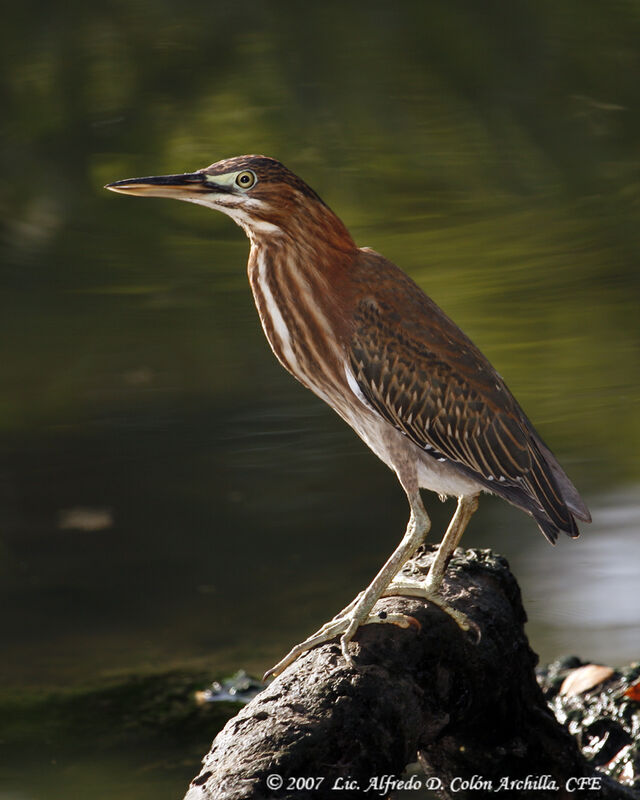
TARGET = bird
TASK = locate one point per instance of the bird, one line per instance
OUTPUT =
(357, 331)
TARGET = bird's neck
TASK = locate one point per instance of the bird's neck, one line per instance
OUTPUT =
(295, 283)
(312, 228)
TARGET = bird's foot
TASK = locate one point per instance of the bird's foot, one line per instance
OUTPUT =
(345, 625)
(415, 587)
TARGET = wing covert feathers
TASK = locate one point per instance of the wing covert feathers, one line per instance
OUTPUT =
(427, 379)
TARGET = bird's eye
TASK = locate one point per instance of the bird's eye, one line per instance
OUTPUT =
(245, 180)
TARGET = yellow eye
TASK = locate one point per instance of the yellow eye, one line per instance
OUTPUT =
(246, 179)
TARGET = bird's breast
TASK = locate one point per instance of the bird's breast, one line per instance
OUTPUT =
(304, 338)
(291, 303)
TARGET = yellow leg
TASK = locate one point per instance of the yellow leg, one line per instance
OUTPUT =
(387, 583)
(429, 588)
(357, 613)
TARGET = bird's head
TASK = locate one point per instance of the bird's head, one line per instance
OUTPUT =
(259, 193)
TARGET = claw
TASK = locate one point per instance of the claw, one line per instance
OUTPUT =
(401, 620)
(346, 625)
(414, 623)
(344, 644)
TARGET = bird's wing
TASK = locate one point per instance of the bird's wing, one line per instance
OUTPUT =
(428, 380)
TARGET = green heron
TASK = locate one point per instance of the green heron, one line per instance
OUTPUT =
(358, 332)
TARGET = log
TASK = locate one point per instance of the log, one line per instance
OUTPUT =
(470, 710)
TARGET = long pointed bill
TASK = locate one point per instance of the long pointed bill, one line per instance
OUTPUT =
(180, 187)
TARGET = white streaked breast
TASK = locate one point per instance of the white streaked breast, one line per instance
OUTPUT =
(279, 325)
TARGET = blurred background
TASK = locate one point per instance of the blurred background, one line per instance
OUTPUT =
(162, 479)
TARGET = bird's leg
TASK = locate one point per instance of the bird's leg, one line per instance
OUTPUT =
(430, 587)
(467, 506)
(417, 529)
(347, 622)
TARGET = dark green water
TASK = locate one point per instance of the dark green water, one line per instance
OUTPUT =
(161, 477)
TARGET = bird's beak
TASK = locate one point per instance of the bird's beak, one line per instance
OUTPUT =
(180, 187)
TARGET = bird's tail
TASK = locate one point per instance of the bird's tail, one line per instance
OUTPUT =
(557, 502)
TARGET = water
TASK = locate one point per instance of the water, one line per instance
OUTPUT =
(161, 477)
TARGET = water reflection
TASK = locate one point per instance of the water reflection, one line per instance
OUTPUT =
(587, 596)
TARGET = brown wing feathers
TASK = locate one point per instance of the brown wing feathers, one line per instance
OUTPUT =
(472, 422)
